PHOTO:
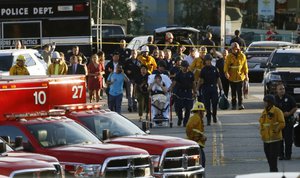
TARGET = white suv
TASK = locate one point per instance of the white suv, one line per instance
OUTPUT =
(34, 62)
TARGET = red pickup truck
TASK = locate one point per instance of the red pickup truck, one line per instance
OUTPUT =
(19, 164)
(170, 156)
(79, 151)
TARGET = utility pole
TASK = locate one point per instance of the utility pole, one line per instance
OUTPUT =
(223, 24)
(99, 25)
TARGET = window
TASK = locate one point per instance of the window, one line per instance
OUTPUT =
(29, 60)
(22, 30)
(61, 28)
(6, 62)
(13, 132)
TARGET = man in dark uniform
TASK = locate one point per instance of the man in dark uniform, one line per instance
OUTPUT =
(288, 106)
(123, 52)
(209, 79)
(185, 92)
(132, 69)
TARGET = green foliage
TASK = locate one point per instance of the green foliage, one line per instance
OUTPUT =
(198, 13)
(121, 10)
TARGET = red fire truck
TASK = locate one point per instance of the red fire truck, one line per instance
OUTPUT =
(170, 156)
(78, 150)
(27, 164)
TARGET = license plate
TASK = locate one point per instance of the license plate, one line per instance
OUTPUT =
(297, 90)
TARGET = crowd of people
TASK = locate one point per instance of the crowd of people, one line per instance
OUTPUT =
(193, 83)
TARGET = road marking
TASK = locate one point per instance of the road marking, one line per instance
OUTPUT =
(261, 97)
(241, 124)
(214, 148)
(218, 159)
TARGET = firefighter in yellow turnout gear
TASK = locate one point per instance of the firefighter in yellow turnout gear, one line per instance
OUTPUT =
(195, 128)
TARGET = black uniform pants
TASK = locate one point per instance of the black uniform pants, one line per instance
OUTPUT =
(271, 152)
(225, 85)
(236, 89)
(210, 93)
(184, 100)
(287, 142)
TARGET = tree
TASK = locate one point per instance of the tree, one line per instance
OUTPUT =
(199, 14)
(120, 10)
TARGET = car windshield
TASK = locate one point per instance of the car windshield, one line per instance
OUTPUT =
(117, 125)
(6, 62)
(61, 133)
(286, 60)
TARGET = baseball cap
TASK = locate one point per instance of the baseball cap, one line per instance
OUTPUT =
(184, 64)
(145, 49)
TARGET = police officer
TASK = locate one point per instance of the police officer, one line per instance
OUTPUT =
(288, 106)
(185, 92)
(19, 68)
(209, 79)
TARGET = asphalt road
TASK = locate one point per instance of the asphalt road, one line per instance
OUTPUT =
(233, 144)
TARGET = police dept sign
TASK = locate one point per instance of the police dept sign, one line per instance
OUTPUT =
(26, 11)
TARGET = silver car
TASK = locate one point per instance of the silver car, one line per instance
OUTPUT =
(257, 53)
(34, 62)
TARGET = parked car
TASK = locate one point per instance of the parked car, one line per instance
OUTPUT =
(258, 52)
(183, 35)
(112, 34)
(283, 65)
(271, 175)
(34, 62)
(138, 42)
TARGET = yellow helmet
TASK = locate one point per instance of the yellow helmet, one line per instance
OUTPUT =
(198, 106)
(21, 58)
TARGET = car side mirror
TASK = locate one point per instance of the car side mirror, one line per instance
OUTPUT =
(105, 134)
(2, 147)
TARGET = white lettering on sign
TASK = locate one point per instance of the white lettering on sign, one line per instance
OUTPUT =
(42, 10)
(77, 92)
(14, 11)
(30, 42)
(39, 97)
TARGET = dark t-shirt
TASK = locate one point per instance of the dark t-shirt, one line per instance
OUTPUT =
(210, 75)
(184, 81)
(142, 83)
(286, 103)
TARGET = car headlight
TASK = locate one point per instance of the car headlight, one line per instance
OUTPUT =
(274, 77)
(155, 160)
(88, 170)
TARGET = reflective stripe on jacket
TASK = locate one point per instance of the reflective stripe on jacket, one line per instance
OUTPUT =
(271, 125)
(236, 66)
(195, 122)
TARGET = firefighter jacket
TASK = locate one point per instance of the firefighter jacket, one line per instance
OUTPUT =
(18, 70)
(148, 61)
(271, 125)
(195, 130)
(62, 68)
(236, 66)
(196, 67)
